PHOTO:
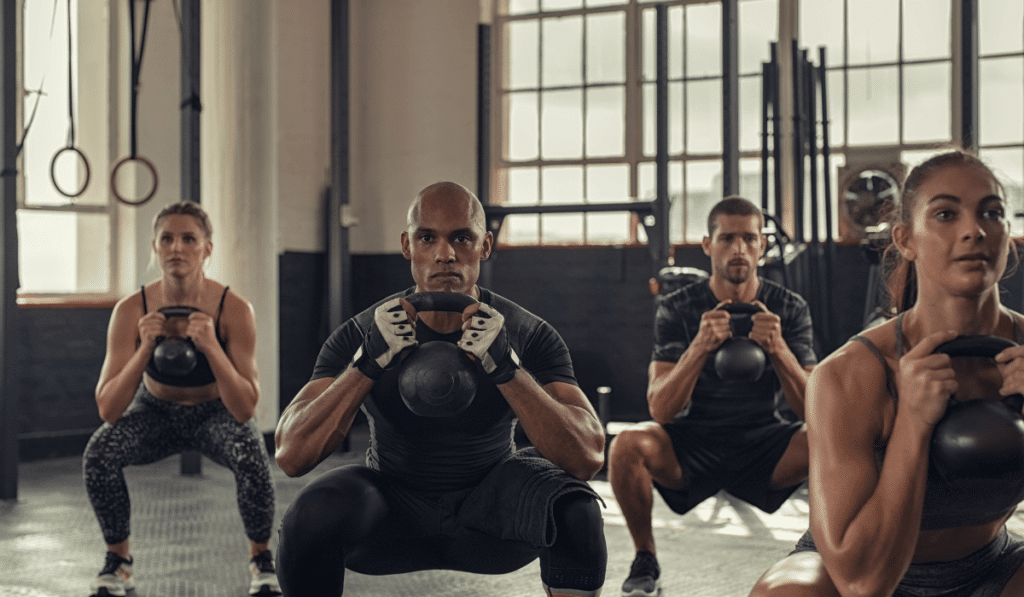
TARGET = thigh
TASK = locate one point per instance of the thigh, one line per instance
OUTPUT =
(221, 438)
(142, 435)
(654, 445)
(792, 467)
(801, 574)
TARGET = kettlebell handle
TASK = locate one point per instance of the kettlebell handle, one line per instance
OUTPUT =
(741, 308)
(983, 347)
(451, 302)
(177, 310)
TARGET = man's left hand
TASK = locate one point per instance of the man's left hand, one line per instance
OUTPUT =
(484, 336)
(767, 330)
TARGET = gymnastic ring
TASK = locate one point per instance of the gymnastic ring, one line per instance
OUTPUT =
(113, 179)
(53, 172)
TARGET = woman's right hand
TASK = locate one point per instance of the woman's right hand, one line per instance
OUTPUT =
(151, 326)
(926, 380)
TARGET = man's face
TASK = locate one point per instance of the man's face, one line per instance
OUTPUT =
(445, 247)
(735, 247)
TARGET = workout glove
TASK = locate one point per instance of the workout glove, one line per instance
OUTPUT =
(390, 332)
(487, 340)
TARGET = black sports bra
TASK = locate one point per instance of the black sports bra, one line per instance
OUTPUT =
(943, 506)
(201, 374)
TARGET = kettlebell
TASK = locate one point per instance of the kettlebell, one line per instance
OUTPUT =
(437, 379)
(174, 355)
(739, 358)
(979, 439)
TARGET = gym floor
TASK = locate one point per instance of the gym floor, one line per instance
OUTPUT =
(187, 539)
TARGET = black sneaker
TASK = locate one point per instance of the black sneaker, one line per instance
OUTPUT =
(643, 577)
(264, 577)
(115, 580)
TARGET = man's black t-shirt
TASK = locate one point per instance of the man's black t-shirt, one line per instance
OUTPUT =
(718, 402)
(446, 453)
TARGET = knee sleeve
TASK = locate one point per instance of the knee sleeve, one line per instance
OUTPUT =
(577, 559)
(327, 520)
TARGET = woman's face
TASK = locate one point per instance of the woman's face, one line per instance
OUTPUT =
(959, 237)
(180, 244)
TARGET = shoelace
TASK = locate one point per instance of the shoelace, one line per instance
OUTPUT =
(264, 562)
(112, 563)
(644, 565)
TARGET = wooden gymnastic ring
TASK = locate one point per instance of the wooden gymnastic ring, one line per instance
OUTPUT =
(113, 179)
(53, 172)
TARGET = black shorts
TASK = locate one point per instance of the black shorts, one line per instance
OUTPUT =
(983, 573)
(740, 460)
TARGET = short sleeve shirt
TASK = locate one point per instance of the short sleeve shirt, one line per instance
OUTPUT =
(719, 402)
(446, 453)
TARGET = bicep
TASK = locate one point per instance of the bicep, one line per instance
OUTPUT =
(241, 348)
(122, 336)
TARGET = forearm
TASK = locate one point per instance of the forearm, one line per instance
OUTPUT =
(668, 395)
(114, 394)
(793, 378)
(238, 392)
(317, 421)
(876, 548)
(570, 436)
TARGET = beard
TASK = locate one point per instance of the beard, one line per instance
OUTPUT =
(737, 274)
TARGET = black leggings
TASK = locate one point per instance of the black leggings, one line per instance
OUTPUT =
(153, 429)
(354, 518)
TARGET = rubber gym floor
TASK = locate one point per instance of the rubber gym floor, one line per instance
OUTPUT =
(187, 539)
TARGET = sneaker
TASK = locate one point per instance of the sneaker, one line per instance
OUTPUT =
(264, 577)
(115, 580)
(643, 577)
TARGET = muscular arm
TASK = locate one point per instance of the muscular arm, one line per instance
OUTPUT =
(560, 422)
(318, 419)
(670, 385)
(235, 370)
(124, 363)
(793, 377)
(865, 520)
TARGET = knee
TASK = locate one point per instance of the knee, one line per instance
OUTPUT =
(799, 575)
(578, 520)
(338, 511)
(632, 447)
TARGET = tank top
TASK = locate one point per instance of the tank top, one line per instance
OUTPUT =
(942, 505)
(201, 374)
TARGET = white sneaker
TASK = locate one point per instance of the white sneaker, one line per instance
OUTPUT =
(264, 577)
(115, 580)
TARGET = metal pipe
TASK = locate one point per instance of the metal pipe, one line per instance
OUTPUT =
(730, 98)
(662, 201)
(9, 333)
(339, 263)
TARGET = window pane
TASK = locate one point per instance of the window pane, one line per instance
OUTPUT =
(608, 227)
(562, 51)
(926, 93)
(63, 252)
(523, 189)
(821, 24)
(675, 119)
(676, 49)
(523, 48)
(750, 180)
(873, 106)
(703, 190)
(1001, 113)
(1008, 165)
(516, 7)
(522, 229)
(606, 40)
(560, 4)
(608, 184)
(873, 30)
(758, 25)
(704, 117)
(647, 191)
(926, 26)
(562, 184)
(606, 115)
(1000, 24)
(522, 125)
(562, 124)
(561, 228)
(649, 65)
(593, 3)
(704, 40)
(750, 113)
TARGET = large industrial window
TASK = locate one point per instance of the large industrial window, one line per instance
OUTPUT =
(576, 88)
(1001, 91)
(65, 243)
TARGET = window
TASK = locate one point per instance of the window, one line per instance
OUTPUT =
(1001, 96)
(65, 244)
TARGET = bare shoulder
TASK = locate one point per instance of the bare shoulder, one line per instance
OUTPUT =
(853, 379)
(129, 306)
(237, 311)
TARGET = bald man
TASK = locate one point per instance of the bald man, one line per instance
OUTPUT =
(444, 492)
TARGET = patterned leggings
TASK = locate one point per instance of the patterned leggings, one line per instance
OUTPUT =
(152, 429)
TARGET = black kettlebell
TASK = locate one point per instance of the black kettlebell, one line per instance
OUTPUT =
(174, 355)
(980, 439)
(437, 379)
(739, 358)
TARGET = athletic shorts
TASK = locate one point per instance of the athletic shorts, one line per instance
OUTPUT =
(983, 573)
(739, 460)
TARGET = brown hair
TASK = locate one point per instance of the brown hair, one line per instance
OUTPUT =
(901, 278)
(733, 205)
(186, 208)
